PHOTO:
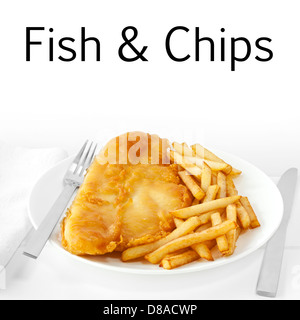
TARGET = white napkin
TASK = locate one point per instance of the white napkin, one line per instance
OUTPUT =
(19, 170)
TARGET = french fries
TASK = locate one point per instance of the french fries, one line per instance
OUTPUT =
(197, 158)
(182, 149)
(214, 179)
(221, 182)
(230, 187)
(205, 153)
(215, 218)
(195, 201)
(191, 184)
(205, 177)
(139, 251)
(178, 222)
(190, 239)
(232, 234)
(204, 207)
(254, 223)
(211, 193)
(222, 242)
(186, 164)
(175, 261)
(203, 249)
(235, 172)
(243, 215)
(215, 166)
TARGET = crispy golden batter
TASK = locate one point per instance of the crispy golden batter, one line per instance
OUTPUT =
(124, 205)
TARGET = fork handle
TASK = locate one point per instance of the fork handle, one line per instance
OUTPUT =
(39, 237)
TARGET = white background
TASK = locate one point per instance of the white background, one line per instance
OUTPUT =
(252, 112)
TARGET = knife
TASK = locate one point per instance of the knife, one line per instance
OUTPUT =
(270, 269)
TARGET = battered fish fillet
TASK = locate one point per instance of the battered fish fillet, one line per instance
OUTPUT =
(123, 205)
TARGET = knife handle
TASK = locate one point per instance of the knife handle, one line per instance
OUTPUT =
(40, 236)
(270, 269)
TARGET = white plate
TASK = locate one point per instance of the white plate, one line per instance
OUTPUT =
(253, 183)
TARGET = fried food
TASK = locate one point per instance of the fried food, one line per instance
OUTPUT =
(201, 208)
(170, 204)
(203, 249)
(211, 193)
(123, 205)
(187, 164)
(222, 242)
(221, 181)
(184, 228)
(254, 223)
(243, 215)
(205, 177)
(232, 234)
(178, 260)
(192, 185)
(190, 239)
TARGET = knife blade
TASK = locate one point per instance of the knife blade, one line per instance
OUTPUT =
(268, 280)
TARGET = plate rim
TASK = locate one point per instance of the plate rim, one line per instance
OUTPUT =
(159, 271)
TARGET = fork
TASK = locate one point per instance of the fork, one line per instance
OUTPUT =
(72, 180)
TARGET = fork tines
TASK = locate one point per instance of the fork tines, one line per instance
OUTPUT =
(84, 157)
